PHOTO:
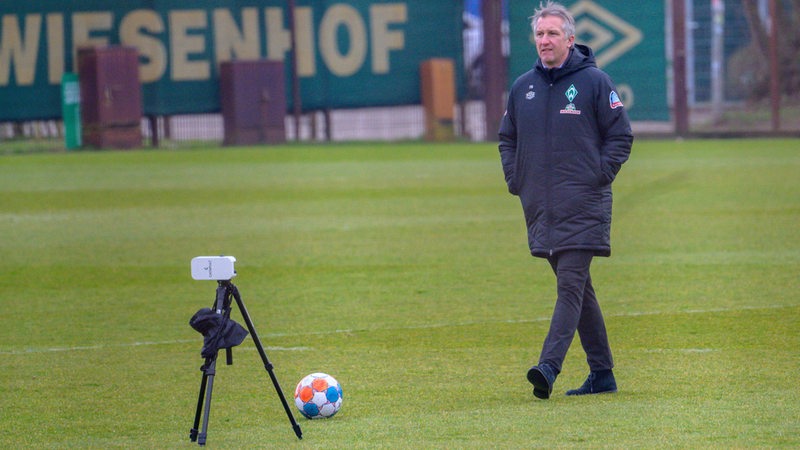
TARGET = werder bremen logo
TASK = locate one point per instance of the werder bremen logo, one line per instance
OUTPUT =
(571, 93)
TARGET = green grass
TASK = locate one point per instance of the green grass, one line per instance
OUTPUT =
(402, 270)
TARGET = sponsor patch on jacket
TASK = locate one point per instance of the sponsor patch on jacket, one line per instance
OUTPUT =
(571, 109)
(614, 101)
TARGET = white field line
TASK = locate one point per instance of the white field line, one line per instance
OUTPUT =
(680, 350)
(411, 327)
(134, 344)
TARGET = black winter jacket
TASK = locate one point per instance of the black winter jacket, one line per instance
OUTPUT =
(563, 138)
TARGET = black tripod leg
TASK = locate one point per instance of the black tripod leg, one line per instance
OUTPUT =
(267, 364)
(209, 374)
(193, 431)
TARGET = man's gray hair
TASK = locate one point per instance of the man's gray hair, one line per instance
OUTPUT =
(550, 8)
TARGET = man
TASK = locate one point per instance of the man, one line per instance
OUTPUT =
(564, 137)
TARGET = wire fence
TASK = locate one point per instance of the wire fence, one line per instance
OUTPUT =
(735, 114)
(365, 124)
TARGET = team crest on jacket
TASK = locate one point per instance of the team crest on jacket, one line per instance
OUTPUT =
(614, 101)
(531, 93)
(571, 93)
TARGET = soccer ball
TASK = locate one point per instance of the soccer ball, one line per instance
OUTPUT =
(318, 396)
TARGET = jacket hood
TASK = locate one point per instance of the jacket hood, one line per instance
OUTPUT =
(580, 57)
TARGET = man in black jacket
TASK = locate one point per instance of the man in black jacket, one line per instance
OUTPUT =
(563, 138)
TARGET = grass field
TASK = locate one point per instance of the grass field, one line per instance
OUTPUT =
(403, 271)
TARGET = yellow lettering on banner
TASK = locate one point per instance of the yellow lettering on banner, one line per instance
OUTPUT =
(183, 45)
(304, 27)
(341, 15)
(229, 42)
(21, 51)
(383, 39)
(83, 25)
(178, 43)
(55, 48)
(134, 31)
(279, 41)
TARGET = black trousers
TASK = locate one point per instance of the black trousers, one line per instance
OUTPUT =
(576, 309)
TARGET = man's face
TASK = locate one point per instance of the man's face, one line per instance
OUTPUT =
(551, 42)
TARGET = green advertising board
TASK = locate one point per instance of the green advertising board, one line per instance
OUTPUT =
(71, 110)
(627, 39)
(351, 54)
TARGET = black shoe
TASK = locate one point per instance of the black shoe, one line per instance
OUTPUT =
(600, 382)
(542, 378)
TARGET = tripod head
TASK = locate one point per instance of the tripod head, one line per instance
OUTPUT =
(225, 290)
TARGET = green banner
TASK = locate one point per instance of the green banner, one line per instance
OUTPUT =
(627, 39)
(351, 54)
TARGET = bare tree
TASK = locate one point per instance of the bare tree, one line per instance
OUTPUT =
(788, 28)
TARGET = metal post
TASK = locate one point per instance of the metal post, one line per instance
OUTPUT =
(774, 78)
(296, 101)
(152, 121)
(328, 122)
(681, 106)
(717, 59)
(494, 69)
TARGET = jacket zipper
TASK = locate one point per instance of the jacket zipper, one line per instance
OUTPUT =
(548, 165)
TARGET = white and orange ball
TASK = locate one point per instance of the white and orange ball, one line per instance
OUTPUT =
(318, 396)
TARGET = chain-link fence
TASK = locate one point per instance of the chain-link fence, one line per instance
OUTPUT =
(727, 74)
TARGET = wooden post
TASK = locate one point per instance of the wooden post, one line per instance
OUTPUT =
(438, 94)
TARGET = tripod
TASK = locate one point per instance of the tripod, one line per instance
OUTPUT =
(222, 305)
